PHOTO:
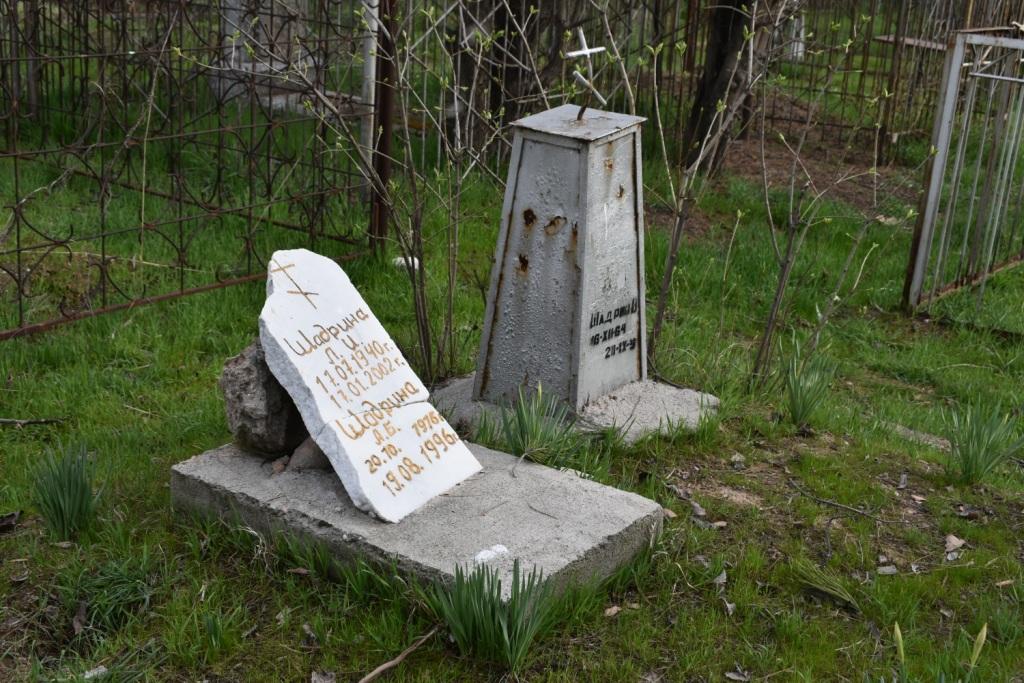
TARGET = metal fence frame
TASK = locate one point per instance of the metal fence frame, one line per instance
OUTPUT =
(124, 101)
(90, 64)
(989, 239)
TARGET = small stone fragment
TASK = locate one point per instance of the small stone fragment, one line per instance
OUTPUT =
(309, 456)
(953, 543)
(95, 673)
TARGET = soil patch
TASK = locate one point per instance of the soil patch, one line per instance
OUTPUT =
(847, 174)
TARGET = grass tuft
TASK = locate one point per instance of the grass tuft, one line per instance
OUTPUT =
(537, 427)
(107, 597)
(824, 582)
(980, 439)
(63, 493)
(484, 624)
(807, 383)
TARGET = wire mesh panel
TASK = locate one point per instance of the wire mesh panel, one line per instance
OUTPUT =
(152, 149)
(869, 70)
(972, 218)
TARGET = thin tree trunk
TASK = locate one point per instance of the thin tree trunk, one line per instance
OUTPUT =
(726, 35)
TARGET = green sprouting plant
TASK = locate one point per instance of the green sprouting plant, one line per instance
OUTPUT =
(219, 633)
(979, 643)
(903, 675)
(537, 427)
(901, 653)
(62, 488)
(980, 439)
(487, 430)
(199, 636)
(807, 383)
(486, 624)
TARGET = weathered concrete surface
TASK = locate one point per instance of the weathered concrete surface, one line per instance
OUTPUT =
(260, 413)
(645, 407)
(570, 528)
(638, 409)
(565, 308)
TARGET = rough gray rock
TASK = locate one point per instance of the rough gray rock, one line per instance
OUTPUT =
(309, 456)
(261, 415)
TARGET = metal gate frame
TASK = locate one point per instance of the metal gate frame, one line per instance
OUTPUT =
(997, 188)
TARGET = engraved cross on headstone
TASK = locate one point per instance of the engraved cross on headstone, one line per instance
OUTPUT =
(588, 80)
(278, 268)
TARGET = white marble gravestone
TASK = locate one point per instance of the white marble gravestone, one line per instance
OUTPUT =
(360, 400)
(566, 302)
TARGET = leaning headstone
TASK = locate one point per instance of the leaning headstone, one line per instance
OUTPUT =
(397, 458)
(361, 402)
(260, 414)
(566, 307)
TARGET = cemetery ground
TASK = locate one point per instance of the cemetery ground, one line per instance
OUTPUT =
(790, 554)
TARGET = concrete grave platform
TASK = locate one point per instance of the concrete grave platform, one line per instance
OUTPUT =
(570, 528)
(638, 408)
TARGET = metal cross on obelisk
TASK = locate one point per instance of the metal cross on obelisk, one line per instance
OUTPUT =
(588, 80)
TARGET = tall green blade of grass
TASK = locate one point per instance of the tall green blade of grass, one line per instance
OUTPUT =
(486, 625)
(980, 439)
(62, 489)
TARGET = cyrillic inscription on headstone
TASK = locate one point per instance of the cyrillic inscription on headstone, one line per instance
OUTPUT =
(363, 404)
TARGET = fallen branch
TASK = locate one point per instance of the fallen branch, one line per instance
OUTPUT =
(398, 660)
(841, 506)
(21, 423)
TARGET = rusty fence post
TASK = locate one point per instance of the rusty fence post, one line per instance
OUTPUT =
(380, 209)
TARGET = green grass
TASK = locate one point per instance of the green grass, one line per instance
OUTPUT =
(62, 490)
(981, 440)
(216, 601)
(487, 624)
(807, 384)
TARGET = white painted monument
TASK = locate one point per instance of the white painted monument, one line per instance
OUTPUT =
(566, 306)
(566, 302)
(359, 399)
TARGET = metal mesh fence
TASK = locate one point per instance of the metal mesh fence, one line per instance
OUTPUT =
(146, 152)
(158, 148)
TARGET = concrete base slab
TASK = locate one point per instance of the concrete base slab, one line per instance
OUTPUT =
(646, 407)
(638, 408)
(570, 528)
